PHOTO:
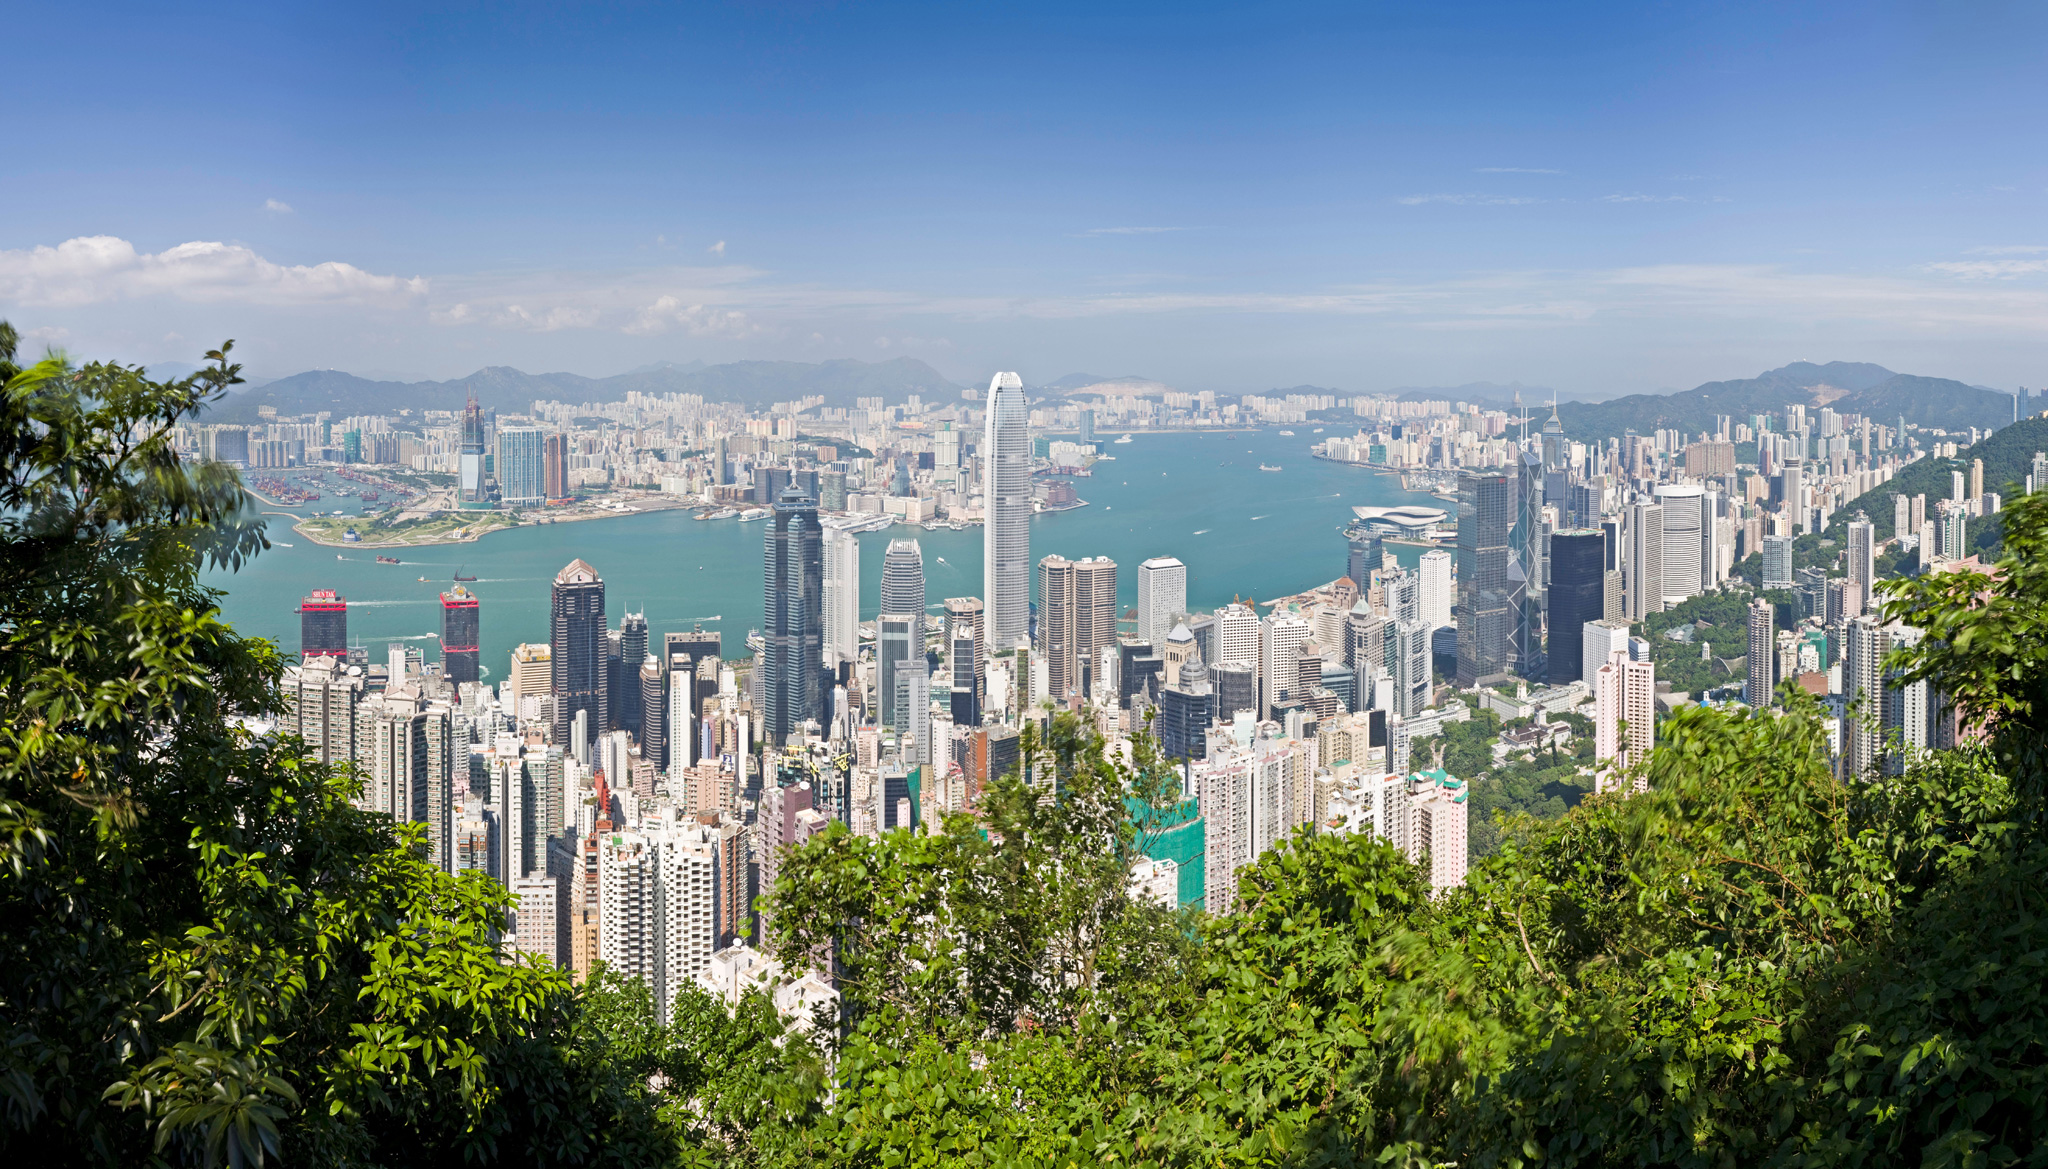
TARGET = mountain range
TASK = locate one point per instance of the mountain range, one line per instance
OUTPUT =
(1848, 386)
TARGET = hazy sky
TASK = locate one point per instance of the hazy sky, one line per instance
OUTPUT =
(1603, 198)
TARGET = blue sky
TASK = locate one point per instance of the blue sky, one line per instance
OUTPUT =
(1602, 198)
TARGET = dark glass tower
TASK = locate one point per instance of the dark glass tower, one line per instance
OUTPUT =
(793, 579)
(577, 640)
(1578, 575)
(625, 697)
(654, 712)
(460, 625)
(1362, 555)
(1489, 585)
(323, 625)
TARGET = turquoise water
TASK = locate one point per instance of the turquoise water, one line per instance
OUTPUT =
(1200, 497)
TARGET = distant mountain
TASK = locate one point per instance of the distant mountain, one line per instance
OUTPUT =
(752, 383)
(1076, 381)
(1848, 386)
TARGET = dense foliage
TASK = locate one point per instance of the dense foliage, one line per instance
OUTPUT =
(211, 956)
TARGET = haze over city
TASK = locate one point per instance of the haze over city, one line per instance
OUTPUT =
(1602, 198)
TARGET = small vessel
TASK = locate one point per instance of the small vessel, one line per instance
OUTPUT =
(339, 556)
(459, 576)
(1317, 430)
(387, 560)
(1266, 467)
(423, 580)
(1287, 434)
(280, 544)
(1121, 441)
(1203, 532)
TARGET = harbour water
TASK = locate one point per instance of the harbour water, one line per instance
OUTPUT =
(1198, 496)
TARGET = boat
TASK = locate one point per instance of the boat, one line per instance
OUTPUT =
(339, 556)
(1286, 434)
(754, 513)
(423, 580)
(387, 560)
(1317, 430)
(279, 544)
(724, 513)
(1266, 467)
(1121, 441)
(459, 576)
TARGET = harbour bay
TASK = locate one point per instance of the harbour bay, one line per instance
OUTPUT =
(1199, 496)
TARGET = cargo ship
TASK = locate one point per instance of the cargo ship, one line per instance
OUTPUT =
(387, 560)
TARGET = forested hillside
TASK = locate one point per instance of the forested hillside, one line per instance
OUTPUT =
(1849, 387)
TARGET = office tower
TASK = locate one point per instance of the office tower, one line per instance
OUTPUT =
(1363, 555)
(700, 645)
(1162, 597)
(1763, 643)
(964, 622)
(1006, 527)
(1364, 636)
(895, 635)
(654, 712)
(1684, 506)
(1577, 595)
(1236, 689)
(831, 489)
(1599, 641)
(531, 675)
(555, 466)
(1491, 586)
(1280, 641)
(1864, 703)
(459, 632)
(321, 696)
(521, 466)
(1237, 635)
(793, 686)
(624, 704)
(1408, 663)
(1186, 708)
(323, 625)
(1434, 574)
(903, 582)
(1624, 712)
(1862, 552)
(1076, 619)
(966, 679)
(1403, 594)
(1645, 560)
(470, 460)
(1778, 562)
(842, 597)
(576, 654)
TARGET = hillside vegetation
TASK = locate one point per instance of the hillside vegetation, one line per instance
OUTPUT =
(1849, 387)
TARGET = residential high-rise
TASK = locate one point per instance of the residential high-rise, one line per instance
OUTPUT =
(1684, 507)
(1778, 562)
(1909, 709)
(1438, 826)
(1863, 692)
(1598, 642)
(1437, 589)
(654, 712)
(323, 625)
(1408, 663)
(842, 597)
(555, 466)
(1577, 595)
(1162, 597)
(1491, 584)
(1763, 645)
(1645, 574)
(521, 466)
(1902, 516)
(321, 696)
(793, 607)
(1006, 527)
(576, 654)
(1862, 553)
(1076, 619)
(903, 581)
(1624, 713)
(460, 626)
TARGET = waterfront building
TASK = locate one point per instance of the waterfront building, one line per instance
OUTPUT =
(576, 655)
(470, 487)
(323, 625)
(1162, 596)
(1006, 527)
(555, 466)
(793, 604)
(521, 466)
(903, 582)
(461, 629)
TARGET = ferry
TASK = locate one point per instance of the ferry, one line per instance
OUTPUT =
(279, 544)
(1265, 467)
(755, 513)
(1121, 441)
(723, 513)
(1317, 430)
(1286, 434)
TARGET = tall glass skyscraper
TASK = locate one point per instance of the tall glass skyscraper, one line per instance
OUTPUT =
(1578, 577)
(577, 661)
(1491, 584)
(903, 582)
(842, 592)
(470, 464)
(1006, 530)
(522, 465)
(459, 635)
(793, 576)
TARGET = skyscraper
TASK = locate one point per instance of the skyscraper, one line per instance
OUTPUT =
(964, 620)
(1577, 587)
(1763, 645)
(1624, 713)
(1778, 562)
(1363, 554)
(1280, 639)
(793, 688)
(624, 704)
(1077, 618)
(1862, 552)
(1434, 571)
(1162, 597)
(576, 658)
(842, 596)
(894, 633)
(1490, 586)
(1684, 511)
(470, 460)
(460, 630)
(1006, 528)
(521, 466)
(903, 582)
(1863, 691)
(555, 466)
(1645, 560)
(323, 625)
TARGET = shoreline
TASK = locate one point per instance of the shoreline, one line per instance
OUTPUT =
(437, 540)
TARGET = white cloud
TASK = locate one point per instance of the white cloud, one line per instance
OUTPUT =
(1468, 200)
(1990, 269)
(717, 249)
(2009, 250)
(668, 314)
(277, 206)
(1644, 199)
(1129, 230)
(99, 268)
(1516, 170)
